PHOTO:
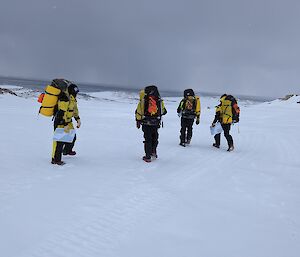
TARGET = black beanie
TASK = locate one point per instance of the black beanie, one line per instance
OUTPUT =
(73, 90)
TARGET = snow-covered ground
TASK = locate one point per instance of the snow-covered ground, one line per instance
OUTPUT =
(191, 202)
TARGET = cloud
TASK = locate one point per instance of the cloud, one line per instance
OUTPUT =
(241, 47)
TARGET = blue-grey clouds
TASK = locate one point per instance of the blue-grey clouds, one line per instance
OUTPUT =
(236, 46)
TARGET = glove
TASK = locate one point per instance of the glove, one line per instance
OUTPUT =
(213, 124)
(78, 123)
(67, 129)
(179, 114)
(138, 124)
(197, 121)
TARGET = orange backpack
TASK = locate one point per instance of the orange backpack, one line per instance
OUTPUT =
(152, 105)
(152, 102)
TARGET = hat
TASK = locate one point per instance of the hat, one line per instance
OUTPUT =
(73, 89)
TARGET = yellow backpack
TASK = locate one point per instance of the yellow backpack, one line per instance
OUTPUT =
(49, 99)
(230, 110)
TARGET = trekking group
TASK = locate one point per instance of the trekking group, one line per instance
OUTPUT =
(59, 101)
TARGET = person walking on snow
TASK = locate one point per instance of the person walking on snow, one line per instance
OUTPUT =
(148, 114)
(66, 110)
(227, 112)
(72, 112)
(189, 108)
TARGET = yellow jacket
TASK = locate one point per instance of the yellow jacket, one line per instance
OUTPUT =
(67, 108)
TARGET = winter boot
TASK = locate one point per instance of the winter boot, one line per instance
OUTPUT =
(215, 145)
(58, 162)
(182, 144)
(154, 156)
(146, 159)
(230, 148)
(188, 141)
(70, 153)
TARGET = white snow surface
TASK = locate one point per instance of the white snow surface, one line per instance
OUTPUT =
(190, 202)
(10, 87)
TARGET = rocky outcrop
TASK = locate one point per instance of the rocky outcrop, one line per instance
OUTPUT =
(287, 97)
(6, 91)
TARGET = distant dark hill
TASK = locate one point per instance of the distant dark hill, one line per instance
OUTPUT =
(39, 84)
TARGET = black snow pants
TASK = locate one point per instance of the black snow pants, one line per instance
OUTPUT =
(186, 131)
(151, 139)
(226, 129)
(69, 146)
(57, 150)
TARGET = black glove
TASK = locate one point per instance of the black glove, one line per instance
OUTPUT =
(138, 124)
(197, 121)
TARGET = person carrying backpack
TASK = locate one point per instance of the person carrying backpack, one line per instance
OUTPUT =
(227, 113)
(148, 114)
(72, 113)
(66, 109)
(189, 108)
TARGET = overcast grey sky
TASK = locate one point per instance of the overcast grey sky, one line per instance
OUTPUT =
(235, 46)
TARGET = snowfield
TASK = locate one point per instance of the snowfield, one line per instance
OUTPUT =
(196, 201)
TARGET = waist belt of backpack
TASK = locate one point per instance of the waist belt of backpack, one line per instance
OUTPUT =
(148, 117)
(151, 121)
(188, 116)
